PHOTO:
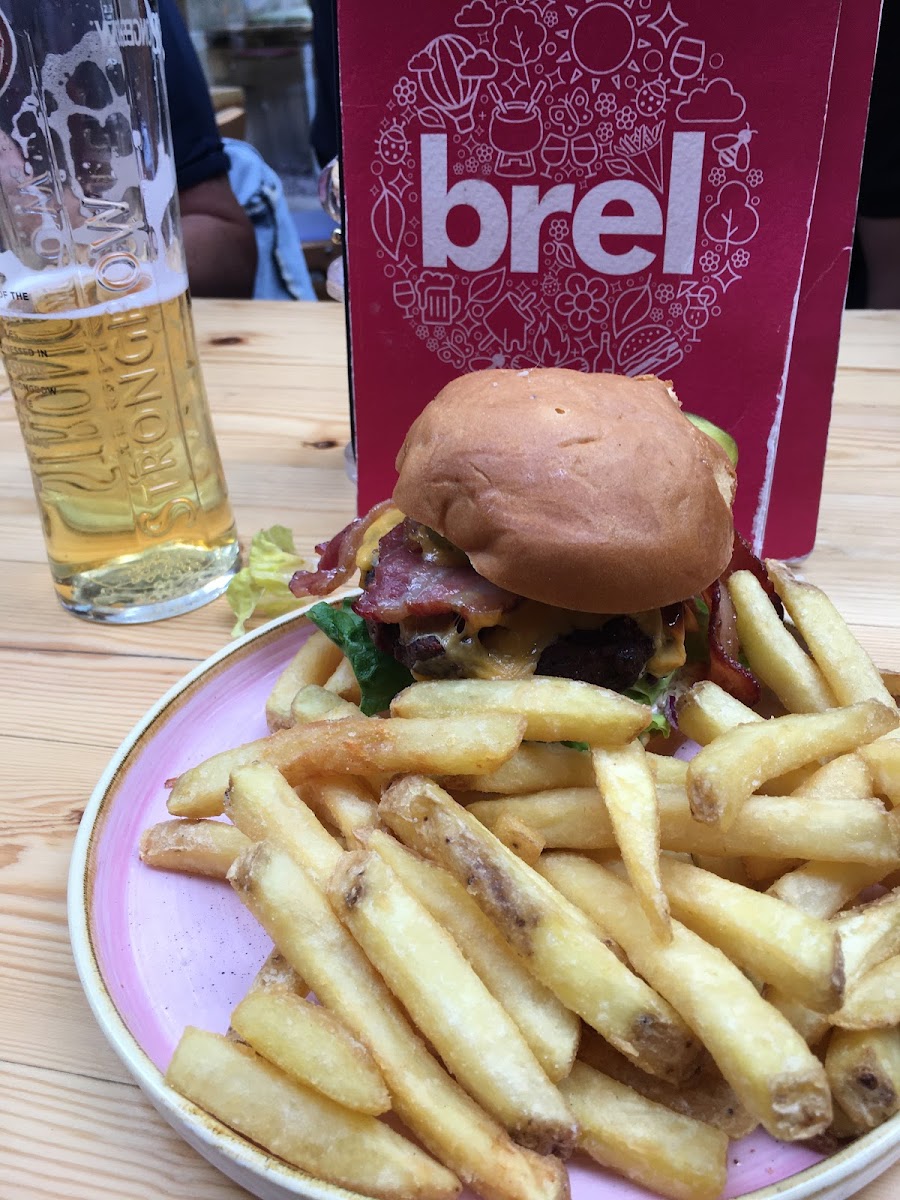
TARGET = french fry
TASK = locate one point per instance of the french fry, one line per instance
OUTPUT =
(560, 945)
(869, 934)
(762, 871)
(297, 916)
(764, 1059)
(550, 1029)
(532, 768)
(864, 1071)
(193, 847)
(262, 805)
(277, 975)
(799, 954)
(846, 777)
(629, 793)
(883, 760)
(824, 888)
(773, 654)
(873, 1001)
(665, 768)
(312, 1047)
(313, 663)
(851, 831)
(343, 682)
(359, 747)
(344, 802)
(351, 1149)
(843, 1127)
(315, 703)
(847, 668)
(427, 972)
(812, 1026)
(706, 711)
(524, 842)
(574, 818)
(728, 868)
(706, 1096)
(727, 771)
(665, 1151)
(555, 710)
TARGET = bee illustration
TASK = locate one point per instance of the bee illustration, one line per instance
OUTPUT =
(734, 148)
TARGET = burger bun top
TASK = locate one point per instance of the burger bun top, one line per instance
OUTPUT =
(587, 492)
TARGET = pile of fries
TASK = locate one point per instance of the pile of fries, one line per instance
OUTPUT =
(525, 949)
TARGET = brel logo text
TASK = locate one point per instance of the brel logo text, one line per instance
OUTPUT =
(518, 223)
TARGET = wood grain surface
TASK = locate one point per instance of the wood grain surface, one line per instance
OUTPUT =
(73, 1123)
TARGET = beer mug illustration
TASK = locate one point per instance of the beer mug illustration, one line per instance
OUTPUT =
(95, 322)
(439, 304)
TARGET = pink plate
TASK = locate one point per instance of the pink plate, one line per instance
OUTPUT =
(157, 951)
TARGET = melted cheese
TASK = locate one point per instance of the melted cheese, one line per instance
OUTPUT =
(373, 535)
(668, 642)
(511, 648)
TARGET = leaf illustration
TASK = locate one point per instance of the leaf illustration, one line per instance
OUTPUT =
(619, 167)
(486, 289)
(565, 255)
(389, 222)
(430, 117)
(632, 308)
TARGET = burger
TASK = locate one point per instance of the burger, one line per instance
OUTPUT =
(548, 522)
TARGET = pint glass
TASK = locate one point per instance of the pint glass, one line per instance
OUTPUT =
(95, 321)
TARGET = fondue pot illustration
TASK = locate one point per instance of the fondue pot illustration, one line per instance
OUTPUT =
(515, 132)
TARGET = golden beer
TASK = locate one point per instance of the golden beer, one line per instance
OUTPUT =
(126, 470)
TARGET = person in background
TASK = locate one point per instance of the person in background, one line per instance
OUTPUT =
(875, 266)
(219, 240)
(324, 132)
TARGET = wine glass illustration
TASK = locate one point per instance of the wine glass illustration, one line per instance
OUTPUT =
(696, 311)
(687, 61)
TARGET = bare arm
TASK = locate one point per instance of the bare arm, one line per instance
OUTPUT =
(219, 241)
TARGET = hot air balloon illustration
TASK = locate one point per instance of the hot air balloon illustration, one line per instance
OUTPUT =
(450, 70)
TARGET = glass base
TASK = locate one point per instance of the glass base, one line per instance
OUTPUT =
(103, 595)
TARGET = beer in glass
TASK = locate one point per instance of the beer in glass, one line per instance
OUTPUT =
(95, 321)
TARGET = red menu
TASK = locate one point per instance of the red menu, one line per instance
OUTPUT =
(638, 186)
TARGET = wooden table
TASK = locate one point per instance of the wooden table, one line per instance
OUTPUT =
(72, 1122)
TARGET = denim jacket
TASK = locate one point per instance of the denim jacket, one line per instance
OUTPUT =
(281, 272)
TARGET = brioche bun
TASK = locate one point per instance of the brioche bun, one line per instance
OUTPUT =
(586, 492)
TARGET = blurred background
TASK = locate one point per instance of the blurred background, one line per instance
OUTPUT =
(270, 68)
(259, 62)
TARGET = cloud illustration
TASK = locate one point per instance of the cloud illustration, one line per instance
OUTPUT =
(479, 65)
(423, 61)
(717, 103)
(474, 16)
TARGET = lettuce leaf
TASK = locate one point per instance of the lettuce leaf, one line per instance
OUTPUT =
(260, 589)
(649, 690)
(379, 675)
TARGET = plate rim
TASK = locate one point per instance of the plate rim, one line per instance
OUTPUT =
(212, 1138)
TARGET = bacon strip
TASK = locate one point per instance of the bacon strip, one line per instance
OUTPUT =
(405, 584)
(337, 557)
(724, 669)
(743, 559)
